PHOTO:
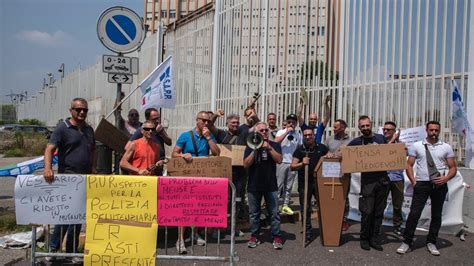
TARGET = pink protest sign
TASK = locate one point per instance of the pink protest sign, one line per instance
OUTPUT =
(192, 201)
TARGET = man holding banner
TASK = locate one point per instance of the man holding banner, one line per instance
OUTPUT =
(430, 157)
(373, 191)
(74, 139)
(195, 143)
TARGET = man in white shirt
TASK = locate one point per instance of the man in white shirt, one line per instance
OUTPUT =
(435, 165)
(289, 140)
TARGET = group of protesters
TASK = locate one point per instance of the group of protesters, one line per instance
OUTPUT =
(269, 169)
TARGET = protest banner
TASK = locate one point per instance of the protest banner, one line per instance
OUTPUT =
(121, 220)
(201, 166)
(38, 202)
(192, 201)
(452, 216)
(234, 152)
(372, 158)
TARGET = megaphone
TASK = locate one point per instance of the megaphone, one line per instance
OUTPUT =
(254, 141)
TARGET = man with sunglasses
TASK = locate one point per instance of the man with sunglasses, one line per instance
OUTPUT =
(307, 154)
(262, 183)
(159, 136)
(143, 154)
(197, 142)
(75, 142)
(397, 185)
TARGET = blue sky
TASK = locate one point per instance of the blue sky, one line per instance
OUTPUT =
(38, 35)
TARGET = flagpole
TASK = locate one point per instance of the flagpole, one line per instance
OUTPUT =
(122, 101)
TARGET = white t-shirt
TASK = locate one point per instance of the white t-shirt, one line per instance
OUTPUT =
(288, 147)
(440, 152)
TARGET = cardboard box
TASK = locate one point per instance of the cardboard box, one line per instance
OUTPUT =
(111, 136)
(373, 158)
(234, 152)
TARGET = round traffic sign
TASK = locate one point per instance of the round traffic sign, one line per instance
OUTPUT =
(120, 29)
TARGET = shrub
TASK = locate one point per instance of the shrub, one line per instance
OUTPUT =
(14, 152)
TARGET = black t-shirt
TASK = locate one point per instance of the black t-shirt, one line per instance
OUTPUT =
(374, 140)
(315, 155)
(262, 173)
(225, 137)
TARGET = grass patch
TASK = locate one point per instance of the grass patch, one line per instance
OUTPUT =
(8, 224)
(15, 152)
(20, 144)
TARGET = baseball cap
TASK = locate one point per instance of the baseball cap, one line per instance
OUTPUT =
(292, 117)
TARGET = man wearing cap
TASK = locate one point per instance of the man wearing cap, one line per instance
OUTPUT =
(289, 140)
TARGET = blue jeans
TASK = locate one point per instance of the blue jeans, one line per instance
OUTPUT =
(58, 235)
(255, 200)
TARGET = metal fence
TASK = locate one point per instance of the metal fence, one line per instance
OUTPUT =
(391, 60)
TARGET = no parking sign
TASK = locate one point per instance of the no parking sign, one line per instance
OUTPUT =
(120, 29)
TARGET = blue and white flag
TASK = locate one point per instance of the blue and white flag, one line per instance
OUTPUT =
(460, 123)
(26, 167)
(158, 88)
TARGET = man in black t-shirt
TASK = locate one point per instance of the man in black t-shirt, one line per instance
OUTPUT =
(374, 188)
(262, 182)
(308, 154)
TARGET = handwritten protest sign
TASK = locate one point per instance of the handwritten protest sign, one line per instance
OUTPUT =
(234, 152)
(332, 169)
(121, 215)
(372, 158)
(410, 135)
(38, 202)
(192, 201)
(201, 166)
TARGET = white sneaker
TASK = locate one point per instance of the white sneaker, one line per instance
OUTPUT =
(404, 248)
(433, 249)
(181, 247)
(199, 240)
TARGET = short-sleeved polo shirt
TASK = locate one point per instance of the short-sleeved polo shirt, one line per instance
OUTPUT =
(186, 144)
(318, 131)
(74, 147)
(440, 152)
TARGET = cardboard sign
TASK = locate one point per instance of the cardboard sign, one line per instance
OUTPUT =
(121, 220)
(192, 201)
(111, 136)
(38, 202)
(372, 158)
(235, 152)
(201, 166)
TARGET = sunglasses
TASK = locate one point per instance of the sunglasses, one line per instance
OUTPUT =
(133, 115)
(204, 120)
(388, 129)
(149, 129)
(78, 110)
(265, 130)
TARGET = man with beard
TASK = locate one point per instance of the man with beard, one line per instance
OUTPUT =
(262, 183)
(373, 191)
(435, 165)
(307, 155)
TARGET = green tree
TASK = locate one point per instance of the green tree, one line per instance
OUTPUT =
(32, 121)
(7, 114)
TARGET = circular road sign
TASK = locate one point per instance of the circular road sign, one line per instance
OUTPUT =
(120, 29)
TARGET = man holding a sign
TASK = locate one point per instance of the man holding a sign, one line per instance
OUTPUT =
(373, 190)
(430, 157)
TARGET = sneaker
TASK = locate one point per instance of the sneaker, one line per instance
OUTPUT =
(277, 242)
(181, 247)
(404, 248)
(287, 210)
(433, 249)
(239, 233)
(398, 231)
(364, 244)
(199, 240)
(77, 260)
(345, 226)
(375, 243)
(253, 242)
